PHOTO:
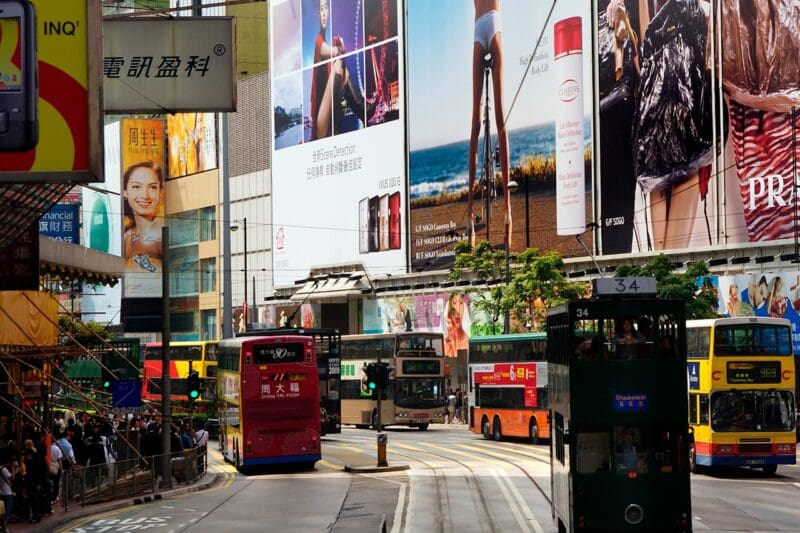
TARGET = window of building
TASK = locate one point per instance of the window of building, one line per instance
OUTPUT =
(184, 228)
(184, 270)
(209, 320)
(208, 274)
(208, 223)
(184, 325)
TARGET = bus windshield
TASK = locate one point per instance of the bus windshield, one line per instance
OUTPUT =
(418, 392)
(420, 344)
(752, 410)
(176, 353)
(752, 339)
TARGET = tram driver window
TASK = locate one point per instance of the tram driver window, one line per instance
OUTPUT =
(631, 450)
(593, 450)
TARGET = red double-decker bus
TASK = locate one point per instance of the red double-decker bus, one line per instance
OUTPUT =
(268, 393)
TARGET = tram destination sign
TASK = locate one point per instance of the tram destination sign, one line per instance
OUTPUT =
(755, 372)
(633, 286)
(279, 353)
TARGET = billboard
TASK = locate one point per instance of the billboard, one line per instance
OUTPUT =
(169, 65)
(142, 157)
(448, 115)
(680, 166)
(61, 223)
(50, 92)
(338, 175)
(192, 141)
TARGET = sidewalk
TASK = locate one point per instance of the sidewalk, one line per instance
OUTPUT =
(61, 517)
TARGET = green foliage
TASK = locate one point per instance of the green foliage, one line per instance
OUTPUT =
(84, 332)
(535, 282)
(700, 300)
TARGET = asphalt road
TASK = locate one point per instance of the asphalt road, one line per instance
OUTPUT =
(457, 482)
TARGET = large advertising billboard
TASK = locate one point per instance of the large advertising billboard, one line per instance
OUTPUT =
(338, 175)
(681, 167)
(192, 142)
(543, 148)
(142, 154)
(153, 65)
(50, 91)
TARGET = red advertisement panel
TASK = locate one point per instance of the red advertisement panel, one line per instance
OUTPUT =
(509, 374)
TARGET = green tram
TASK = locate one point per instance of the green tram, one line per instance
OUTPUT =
(619, 449)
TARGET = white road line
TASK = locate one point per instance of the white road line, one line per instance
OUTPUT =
(524, 506)
(523, 526)
(399, 509)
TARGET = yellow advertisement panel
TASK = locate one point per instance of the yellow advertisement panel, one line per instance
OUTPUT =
(50, 91)
(23, 323)
(192, 143)
(142, 155)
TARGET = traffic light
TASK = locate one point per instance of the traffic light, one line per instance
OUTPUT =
(106, 376)
(369, 379)
(193, 385)
(384, 370)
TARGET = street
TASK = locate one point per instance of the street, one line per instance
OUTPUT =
(456, 482)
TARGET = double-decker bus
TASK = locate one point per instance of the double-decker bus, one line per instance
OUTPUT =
(328, 347)
(619, 448)
(508, 386)
(742, 381)
(268, 397)
(415, 395)
(199, 356)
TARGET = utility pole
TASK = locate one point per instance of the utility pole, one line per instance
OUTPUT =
(382, 437)
(166, 415)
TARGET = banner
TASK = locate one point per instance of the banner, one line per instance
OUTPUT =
(142, 155)
(338, 148)
(448, 83)
(50, 91)
(192, 139)
(61, 223)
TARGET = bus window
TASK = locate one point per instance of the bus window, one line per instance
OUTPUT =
(697, 342)
(755, 410)
(693, 409)
(211, 351)
(703, 409)
(593, 450)
(631, 450)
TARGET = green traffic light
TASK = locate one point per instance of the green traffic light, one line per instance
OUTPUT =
(106, 384)
(371, 385)
(194, 394)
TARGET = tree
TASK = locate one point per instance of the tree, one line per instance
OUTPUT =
(85, 333)
(700, 299)
(535, 281)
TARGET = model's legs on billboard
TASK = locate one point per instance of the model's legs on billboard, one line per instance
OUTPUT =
(502, 134)
(472, 162)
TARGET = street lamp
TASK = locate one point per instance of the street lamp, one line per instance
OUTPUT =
(235, 227)
(512, 188)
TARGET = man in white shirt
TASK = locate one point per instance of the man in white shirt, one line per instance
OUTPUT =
(56, 458)
(201, 438)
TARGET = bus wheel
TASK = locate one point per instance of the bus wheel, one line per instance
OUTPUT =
(375, 425)
(533, 432)
(770, 469)
(497, 430)
(485, 428)
(423, 427)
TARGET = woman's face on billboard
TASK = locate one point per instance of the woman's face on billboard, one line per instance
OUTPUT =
(143, 192)
(323, 13)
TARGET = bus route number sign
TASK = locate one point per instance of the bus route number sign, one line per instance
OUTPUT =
(633, 286)
(756, 372)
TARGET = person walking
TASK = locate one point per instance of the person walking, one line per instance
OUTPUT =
(6, 486)
(459, 406)
(451, 406)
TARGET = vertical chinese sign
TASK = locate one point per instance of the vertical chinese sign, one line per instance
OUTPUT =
(142, 155)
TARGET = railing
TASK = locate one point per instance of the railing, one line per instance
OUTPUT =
(84, 485)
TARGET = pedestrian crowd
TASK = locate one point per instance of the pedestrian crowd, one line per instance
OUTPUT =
(32, 468)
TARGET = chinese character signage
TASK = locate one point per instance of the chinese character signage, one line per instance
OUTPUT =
(157, 65)
(19, 262)
(142, 155)
(61, 223)
(50, 91)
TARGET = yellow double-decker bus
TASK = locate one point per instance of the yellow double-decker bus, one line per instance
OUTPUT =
(741, 374)
(200, 356)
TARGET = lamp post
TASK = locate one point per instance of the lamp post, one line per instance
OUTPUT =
(512, 188)
(235, 227)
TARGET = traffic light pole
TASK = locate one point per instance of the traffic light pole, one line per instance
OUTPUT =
(382, 437)
(166, 387)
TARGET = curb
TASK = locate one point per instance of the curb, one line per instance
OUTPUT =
(83, 512)
(374, 469)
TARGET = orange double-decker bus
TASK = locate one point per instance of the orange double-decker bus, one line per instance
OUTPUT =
(508, 386)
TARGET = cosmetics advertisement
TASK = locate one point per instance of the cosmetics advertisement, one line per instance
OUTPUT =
(530, 184)
(337, 95)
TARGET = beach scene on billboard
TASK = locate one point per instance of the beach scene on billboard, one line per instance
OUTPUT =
(337, 68)
(531, 182)
(774, 295)
(661, 128)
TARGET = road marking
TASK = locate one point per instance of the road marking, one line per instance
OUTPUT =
(330, 465)
(494, 453)
(348, 447)
(537, 456)
(399, 509)
(524, 506)
(465, 454)
(511, 503)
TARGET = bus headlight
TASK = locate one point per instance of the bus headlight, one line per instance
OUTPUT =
(633, 514)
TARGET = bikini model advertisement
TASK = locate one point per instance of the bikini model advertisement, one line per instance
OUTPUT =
(337, 100)
(530, 185)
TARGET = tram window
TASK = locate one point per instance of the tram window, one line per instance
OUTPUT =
(666, 456)
(632, 450)
(559, 431)
(593, 450)
(703, 408)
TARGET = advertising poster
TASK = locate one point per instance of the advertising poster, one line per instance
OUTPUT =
(680, 168)
(774, 295)
(192, 141)
(448, 83)
(50, 91)
(511, 375)
(142, 155)
(337, 97)
(61, 223)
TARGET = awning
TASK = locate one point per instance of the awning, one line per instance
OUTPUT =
(22, 204)
(72, 262)
(330, 286)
